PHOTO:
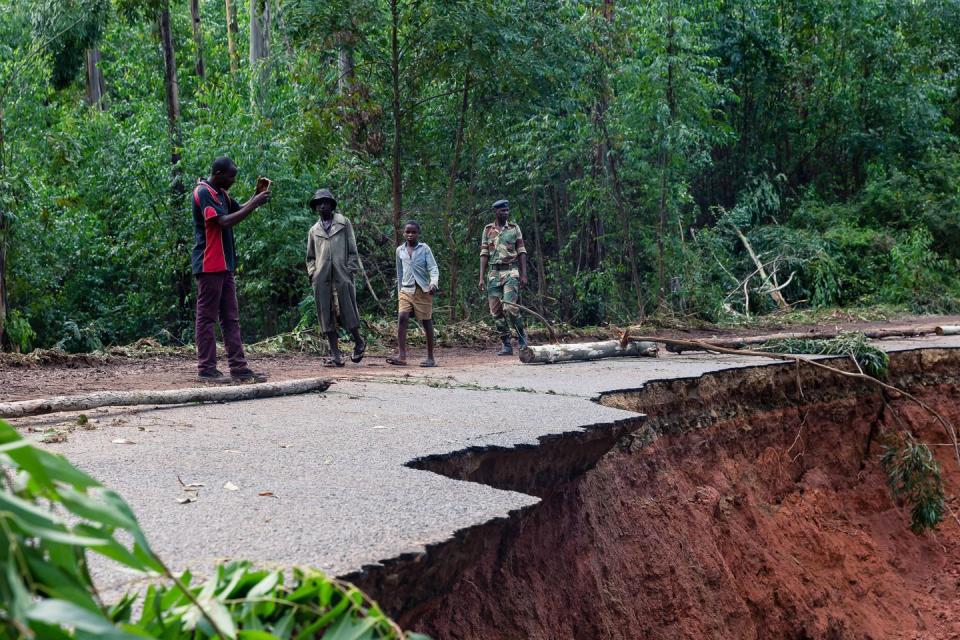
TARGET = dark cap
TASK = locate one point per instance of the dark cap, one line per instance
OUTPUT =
(501, 204)
(323, 194)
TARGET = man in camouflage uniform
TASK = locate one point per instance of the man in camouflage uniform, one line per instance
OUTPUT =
(502, 250)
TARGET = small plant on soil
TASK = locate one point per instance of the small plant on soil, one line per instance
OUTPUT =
(914, 477)
(871, 360)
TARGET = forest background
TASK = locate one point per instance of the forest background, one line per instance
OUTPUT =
(643, 146)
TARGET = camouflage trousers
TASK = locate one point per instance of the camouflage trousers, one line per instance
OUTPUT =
(503, 288)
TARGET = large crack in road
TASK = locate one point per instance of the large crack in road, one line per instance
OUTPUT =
(340, 463)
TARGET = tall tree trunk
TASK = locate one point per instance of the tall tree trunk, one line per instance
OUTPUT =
(609, 159)
(259, 53)
(556, 219)
(396, 188)
(345, 72)
(172, 93)
(453, 264)
(558, 245)
(6, 233)
(662, 227)
(666, 160)
(197, 37)
(282, 25)
(232, 30)
(620, 202)
(95, 88)
(541, 275)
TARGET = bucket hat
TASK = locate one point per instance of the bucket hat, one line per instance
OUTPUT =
(323, 194)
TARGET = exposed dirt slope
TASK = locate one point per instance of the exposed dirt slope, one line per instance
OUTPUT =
(727, 518)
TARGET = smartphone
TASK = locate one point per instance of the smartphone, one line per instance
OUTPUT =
(263, 184)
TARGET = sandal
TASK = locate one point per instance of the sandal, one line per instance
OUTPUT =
(359, 349)
(428, 363)
(396, 361)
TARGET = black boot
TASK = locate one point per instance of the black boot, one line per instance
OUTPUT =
(506, 350)
(521, 339)
(517, 323)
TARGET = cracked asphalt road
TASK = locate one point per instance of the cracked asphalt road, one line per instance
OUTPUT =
(334, 462)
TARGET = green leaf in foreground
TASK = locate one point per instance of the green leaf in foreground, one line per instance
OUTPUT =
(46, 590)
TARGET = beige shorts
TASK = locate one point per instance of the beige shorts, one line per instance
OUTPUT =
(420, 303)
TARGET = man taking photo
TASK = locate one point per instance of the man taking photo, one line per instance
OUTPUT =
(214, 261)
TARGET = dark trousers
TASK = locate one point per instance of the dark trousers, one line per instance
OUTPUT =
(217, 300)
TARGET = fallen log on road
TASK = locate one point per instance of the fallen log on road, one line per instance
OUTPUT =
(553, 353)
(739, 342)
(86, 401)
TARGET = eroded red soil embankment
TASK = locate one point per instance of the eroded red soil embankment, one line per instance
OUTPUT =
(736, 512)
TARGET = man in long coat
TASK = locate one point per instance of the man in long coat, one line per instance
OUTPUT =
(332, 264)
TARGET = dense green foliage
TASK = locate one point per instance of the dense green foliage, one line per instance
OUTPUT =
(870, 359)
(52, 515)
(634, 139)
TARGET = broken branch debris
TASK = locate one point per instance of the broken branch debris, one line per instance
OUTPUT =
(96, 399)
(553, 353)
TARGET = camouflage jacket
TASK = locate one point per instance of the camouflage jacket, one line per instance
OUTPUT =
(503, 246)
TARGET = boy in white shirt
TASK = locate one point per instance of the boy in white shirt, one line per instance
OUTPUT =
(417, 282)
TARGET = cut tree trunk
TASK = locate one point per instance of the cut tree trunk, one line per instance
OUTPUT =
(553, 353)
(88, 401)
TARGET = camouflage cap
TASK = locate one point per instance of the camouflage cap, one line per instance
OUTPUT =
(323, 194)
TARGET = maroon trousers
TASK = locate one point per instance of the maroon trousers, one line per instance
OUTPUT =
(217, 300)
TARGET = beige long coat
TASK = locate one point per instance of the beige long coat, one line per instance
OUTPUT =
(332, 264)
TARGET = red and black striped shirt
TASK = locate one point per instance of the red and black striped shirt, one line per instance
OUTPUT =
(213, 250)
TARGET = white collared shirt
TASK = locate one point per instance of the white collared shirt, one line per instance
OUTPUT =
(418, 267)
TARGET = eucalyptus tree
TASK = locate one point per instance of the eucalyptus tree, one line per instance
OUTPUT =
(158, 12)
(260, 75)
(230, 14)
(197, 27)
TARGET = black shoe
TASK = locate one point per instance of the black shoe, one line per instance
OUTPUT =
(247, 375)
(506, 349)
(358, 350)
(212, 376)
